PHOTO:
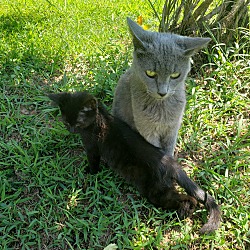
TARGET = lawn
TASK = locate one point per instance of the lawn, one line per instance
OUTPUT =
(47, 200)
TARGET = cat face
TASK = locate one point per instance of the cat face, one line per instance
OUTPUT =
(161, 70)
(78, 109)
(162, 60)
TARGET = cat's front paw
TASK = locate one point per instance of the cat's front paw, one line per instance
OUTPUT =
(187, 206)
(92, 170)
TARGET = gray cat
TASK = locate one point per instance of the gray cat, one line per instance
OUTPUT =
(150, 96)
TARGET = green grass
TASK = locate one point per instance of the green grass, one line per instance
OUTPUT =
(47, 201)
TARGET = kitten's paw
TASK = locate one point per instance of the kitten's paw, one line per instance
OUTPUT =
(94, 171)
(187, 207)
(91, 170)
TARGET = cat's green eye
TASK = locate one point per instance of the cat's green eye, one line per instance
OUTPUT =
(175, 75)
(150, 73)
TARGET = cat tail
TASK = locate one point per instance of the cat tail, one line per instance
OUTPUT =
(195, 191)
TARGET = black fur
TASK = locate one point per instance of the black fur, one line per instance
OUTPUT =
(130, 155)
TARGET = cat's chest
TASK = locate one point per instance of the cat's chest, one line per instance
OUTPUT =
(155, 121)
(153, 126)
(156, 113)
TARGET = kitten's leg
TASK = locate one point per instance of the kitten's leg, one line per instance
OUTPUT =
(169, 198)
(92, 151)
(195, 191)
(94, 161)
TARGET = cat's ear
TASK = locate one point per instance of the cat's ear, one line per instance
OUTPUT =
(54, 97)
(192, 45)
(91, 104)
(137, 32)
(57, 98)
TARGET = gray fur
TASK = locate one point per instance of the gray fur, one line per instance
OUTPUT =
(155, 106)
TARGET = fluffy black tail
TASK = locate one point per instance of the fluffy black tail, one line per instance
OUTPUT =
(195, 191)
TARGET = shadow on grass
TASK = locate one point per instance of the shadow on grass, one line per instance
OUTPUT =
(25, 47)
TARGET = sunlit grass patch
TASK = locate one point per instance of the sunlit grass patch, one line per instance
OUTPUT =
(47, 201)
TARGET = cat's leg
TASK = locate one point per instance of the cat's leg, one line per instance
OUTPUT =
(195, 191)
(92, 152)
(170, 199)
(94, 158)
(168, 141)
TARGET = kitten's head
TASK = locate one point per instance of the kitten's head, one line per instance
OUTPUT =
(162, 60)
(78, 109)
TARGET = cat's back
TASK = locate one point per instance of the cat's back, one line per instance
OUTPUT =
(128, 143)
(122, 105)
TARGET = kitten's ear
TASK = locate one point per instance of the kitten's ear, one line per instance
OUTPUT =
(54, 97)
(137, 32)
(193, 44)
(57, 98)
(92, 104)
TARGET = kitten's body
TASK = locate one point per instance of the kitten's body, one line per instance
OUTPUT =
(131, 156)
(154, 104)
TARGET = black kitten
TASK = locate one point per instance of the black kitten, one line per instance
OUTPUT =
(131, 156)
